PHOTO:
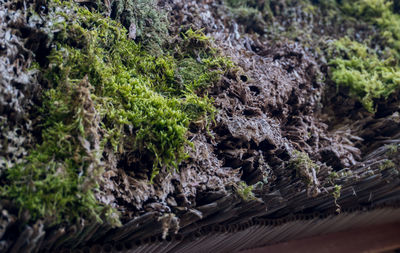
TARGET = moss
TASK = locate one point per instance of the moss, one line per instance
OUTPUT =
(379, 13)
(245, 191)
(336, 192)
(360, 69)
(304, 166)
(367, 68)
(195, 57)
(306, 170)
(253, 15)
(241, 3)
(60, 174)
(376, 72)
(336, 195)
(107, 91)
(392, 150)
(387, 164)
(146, 22)
(333, 176)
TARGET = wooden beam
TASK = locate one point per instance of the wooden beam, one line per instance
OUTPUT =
(379, 238)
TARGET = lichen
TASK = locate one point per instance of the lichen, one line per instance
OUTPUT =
(18, 86)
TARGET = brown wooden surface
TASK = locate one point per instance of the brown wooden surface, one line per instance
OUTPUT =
(380, 238)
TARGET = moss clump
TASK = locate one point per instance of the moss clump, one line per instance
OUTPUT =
(60, 174)
(106, 93)
(304, 166)
(241, 3)
(245, 191)
(195, 56)
(146, 22)
(379, 13)
(359, 68)
(336, 191)
(336, 195)
(387, 164)
(254, 15)
(392, 150)
(307, 170)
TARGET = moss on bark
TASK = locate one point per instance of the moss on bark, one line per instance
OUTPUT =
(106, 92)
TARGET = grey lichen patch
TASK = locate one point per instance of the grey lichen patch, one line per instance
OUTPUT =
(18, 85)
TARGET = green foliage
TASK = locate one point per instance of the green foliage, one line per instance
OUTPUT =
(105, 90)
(304, 166)
(336, 195)
(336, 191)
(379, 13)
(392, 150)
(359, 68)
(369, 9)
(333, 176)
(251, 13)
(245, 191)
(196, 56)
(262, 6)
(306, 170)
(60, 174)
(145, 17)
(387, 164)
(195, 37)
(239, 3)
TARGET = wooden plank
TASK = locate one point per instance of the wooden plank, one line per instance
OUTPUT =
(372, 239)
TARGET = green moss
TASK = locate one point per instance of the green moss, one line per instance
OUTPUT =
(240, 3)
(245, 191)
(379, 13)
(333, 176)
(392, 150)
(336, 192)
(252, 14)
(147, 21)
(304, 166)
(387, 164)
(367, 68)
(336, 195)
(196, 56)
(359, 68)
(60, 175)
(107, 91)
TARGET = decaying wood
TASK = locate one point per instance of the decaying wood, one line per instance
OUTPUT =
(266, 113)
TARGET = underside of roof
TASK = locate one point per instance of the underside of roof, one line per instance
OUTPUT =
(268, 137)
